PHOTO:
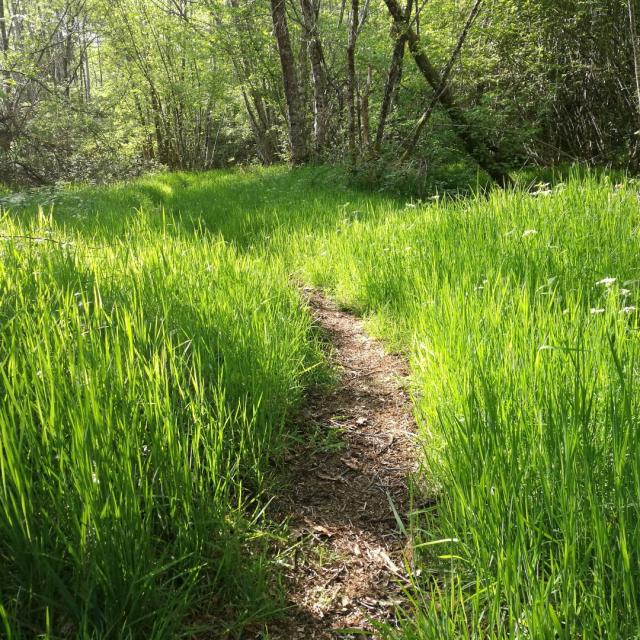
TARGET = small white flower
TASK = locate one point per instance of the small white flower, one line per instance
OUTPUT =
(607, 282)
(542, 189)
(630, 309)
(529, 232)
(595, 312)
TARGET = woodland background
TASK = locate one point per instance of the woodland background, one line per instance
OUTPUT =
(96, 90)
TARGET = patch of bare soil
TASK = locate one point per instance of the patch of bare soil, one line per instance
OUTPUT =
(345, 484)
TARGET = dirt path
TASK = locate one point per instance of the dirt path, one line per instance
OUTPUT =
(350, 563)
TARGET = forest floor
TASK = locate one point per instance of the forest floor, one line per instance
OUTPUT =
(348, 497)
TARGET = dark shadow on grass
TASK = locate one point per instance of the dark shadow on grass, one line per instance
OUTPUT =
(243, 206)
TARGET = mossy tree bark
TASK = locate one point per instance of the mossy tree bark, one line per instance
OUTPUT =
(474, 142)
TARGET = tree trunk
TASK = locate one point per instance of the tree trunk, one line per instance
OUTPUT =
(415, 136)
(4, 47)
(636, 51)
(147, 142)
(6, 116)
(474, 143)
(4, 40)
(295, 115)
(393, 79)
(364, 108)
(260, 126)
(316, 56)
(158, 125)
(351, 80)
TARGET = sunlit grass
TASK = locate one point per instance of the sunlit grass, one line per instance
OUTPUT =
(145, 386)
(150, 361)
(519, 314)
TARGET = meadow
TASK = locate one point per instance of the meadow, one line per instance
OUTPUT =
(154, 346)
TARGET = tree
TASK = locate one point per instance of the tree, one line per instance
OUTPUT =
(351, 79)
(477, 147)
(295, 115)
(93, 89)
(424, 118)
(310, 15)
(393, 77)
(633, 27)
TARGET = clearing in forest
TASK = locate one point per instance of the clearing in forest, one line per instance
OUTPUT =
(155, 353)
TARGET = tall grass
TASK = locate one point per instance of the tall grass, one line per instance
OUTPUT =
(146, 384)
(144, 387)
(520, 316)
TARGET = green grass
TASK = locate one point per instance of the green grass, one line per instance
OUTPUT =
(144, 390)
(525, 360)
(149, 364)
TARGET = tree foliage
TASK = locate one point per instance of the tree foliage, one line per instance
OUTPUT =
(96, 89)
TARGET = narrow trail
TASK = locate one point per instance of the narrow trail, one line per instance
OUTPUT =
(349, 568)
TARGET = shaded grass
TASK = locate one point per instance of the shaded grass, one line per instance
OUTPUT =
(244, 206)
